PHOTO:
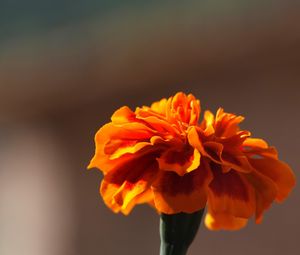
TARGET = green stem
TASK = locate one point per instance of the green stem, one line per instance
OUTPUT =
(171, 249)
(177, 232)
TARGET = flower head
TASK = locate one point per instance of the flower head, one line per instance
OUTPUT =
(163, 155)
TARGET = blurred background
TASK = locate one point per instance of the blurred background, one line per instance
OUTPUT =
(65, 66)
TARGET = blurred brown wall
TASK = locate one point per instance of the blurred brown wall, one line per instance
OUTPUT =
(58, 88)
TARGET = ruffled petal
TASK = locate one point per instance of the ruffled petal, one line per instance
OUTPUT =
(179, 161)
(160, 106)
(224, 222)
(236, 160)
(194, 110)
(265, 192)
(227, 157)
(254, 147)
(278, 171)
(188, 193)
(195, 141)
(123, 115)
(124, 198)
(207, 123)
(226, 124)
(129, 185)
(156, 122)
(230, 193)
(256, 143)
(115, 143)
(182, 108)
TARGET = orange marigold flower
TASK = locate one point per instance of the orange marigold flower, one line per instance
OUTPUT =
(163, 156)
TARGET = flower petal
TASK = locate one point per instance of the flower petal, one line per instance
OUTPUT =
(215, 151)
(265, 192)
(123, 198)
(123, 115)
(114, 141)
(278, 171)
(160, 106)
(127, 195)
(194, 140)
(195, 109)
(226, 124)
(174, 193)
(182, 108)
(236, 160)
(256, 143)
(129, 184)
(181, 162)
(207, 123)
(224, 222)
(107, 191)
(230, 193)
(254, 146)
(155, 122)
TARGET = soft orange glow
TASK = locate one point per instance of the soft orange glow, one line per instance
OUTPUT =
(163, 156)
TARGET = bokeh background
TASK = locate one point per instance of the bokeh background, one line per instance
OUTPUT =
(65, 66)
